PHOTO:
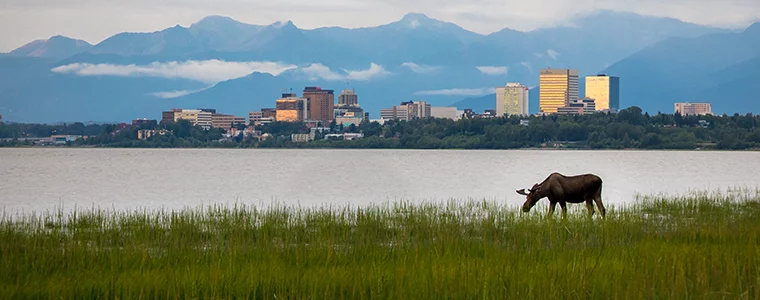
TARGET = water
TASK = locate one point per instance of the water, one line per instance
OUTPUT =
(126, 179)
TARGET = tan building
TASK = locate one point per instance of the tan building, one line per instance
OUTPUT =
(290, 108)
(196, 117)
(348, 97)
(605, 90)
(558, 87)
(320, 104)
(442, 112)
(226, 121)
(686, 108)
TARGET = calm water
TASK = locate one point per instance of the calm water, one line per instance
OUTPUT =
(45, 179)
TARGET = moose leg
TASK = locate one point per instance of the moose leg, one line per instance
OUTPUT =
(564, 209)
(552, 205)
(590, 208)
(598, 201)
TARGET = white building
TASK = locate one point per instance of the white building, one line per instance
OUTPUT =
(445, 112)
(512, 99)
(686, 108)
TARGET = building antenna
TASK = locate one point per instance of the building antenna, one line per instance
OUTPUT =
(348, 81)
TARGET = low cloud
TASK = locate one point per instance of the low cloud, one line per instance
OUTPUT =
(374, 71)
(322, 72)
(420, 68)
(174, 94)
(207, 71)
(493, 70)
(553, 54)
(458, 92)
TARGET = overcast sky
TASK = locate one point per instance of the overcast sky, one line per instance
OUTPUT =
(22, 21)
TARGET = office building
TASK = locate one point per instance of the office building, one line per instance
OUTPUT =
(348, 98)
(291, 108)
(605, 90)
(578, 107)
(407, 111)
(512, 99)
(558, 87)
(687, 108)
(196, 117)
(226, 121)
(268, 113)
(445, 112)
(321, 104)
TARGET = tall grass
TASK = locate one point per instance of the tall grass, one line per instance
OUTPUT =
(697, 246)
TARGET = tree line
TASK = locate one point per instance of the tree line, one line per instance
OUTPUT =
(628, 129)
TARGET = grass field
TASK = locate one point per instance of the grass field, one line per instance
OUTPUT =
(698, 246)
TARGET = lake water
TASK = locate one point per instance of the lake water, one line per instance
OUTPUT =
(40, 179)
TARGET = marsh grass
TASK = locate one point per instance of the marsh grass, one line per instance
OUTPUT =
(703, 245)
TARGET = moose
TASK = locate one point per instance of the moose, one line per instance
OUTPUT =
(566, 189)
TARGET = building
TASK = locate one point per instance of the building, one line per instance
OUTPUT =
(64, 139)
(445, 112)
(146, 134)
(138, 122)
(226, 121)
(348, 98)
(268, 113)
(400, 113)
(406, 111)
(578, 107)
(321, 104)
(512, 99)
(558, 87)
(291, 108)
(196, 117)
(687, 108)
(302, 137)
(605, 90)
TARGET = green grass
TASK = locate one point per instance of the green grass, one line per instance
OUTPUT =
(698, 246)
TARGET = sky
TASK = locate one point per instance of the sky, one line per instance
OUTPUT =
(22, 21)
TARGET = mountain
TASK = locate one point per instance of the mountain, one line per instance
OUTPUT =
(415, 58)
(54, 47)
(684, 69)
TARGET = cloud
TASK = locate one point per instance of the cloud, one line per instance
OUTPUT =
(374, 71)
(458, 92)
(320, 71)
(527, 65)
(174, 94)
(553, 54)
(207, 71)
(420, 68)
(493, 70)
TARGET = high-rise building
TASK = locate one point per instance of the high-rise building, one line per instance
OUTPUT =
(348, 97)
(321, 104)
(687, 108)
(512, 99)
(558, 87)
(605, 90)
(291, 108)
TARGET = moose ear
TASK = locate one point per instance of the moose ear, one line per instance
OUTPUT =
(522, 192)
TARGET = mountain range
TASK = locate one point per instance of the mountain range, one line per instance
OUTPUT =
(236, 67)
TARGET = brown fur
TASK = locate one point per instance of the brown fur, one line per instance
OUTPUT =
(566, 189)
